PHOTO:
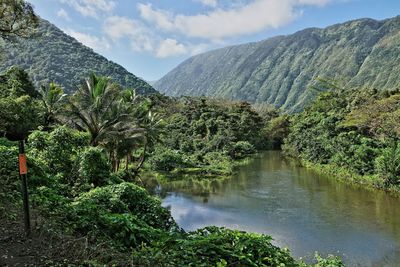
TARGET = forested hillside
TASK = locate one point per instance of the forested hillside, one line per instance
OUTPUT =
(360, 53)
(55, 56)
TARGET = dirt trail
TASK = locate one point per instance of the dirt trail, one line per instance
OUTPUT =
(15, 248)
(43, 248)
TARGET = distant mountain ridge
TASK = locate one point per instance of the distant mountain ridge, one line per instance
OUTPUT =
(279, 70)
(56, 56)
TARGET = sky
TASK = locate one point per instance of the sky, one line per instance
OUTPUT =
(151, 37)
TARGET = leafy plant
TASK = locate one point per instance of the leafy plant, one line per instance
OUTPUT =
(93, 167)
(58, 149)
(330, 261)
(124, 198)
(20, 110)
(166, 160)
(213, 246)
(241, 149)
(388, 164)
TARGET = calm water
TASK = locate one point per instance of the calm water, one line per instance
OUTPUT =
(301, 210)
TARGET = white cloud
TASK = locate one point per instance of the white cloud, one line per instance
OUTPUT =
(94, 42)
(63, 14)
(139, 36)
(170, 47)
(91, 8)
(161, 18)
(314, 2)
(118, 27)
(211, 3)
(220, 23)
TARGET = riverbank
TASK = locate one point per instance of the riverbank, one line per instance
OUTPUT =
(369, 182)
(203, 181)
(199, 181)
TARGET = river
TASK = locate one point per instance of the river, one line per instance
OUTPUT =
(301, 210)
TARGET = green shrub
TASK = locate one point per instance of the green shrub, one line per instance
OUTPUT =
(127, 230)
(19, 116)
(51, 202)
(37, 172)
(10, 183)
(58, 149)
(39, 140)
(9, 178)
(9, 172)
(364, 155)
(388, 164)
(123, 206)
(213, 246)
(311, 135)
(166, 160)
(7, 143)
(276, 131)
(218, 163)
(9, 163)
(329, 261)
(94, 168)
(355, 152)
(241, 150)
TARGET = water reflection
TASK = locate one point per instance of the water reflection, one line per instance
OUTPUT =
(301, 210)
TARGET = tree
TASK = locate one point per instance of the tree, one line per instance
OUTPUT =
(123, 145)
(377, 117)
(17, 19)
(17, 82)
(388, 164)
(101, 108)
(19, 109)
(153, 127)
(52, 97)
(97, 107)
(276, 130)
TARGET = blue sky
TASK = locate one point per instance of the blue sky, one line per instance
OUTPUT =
(149, 37)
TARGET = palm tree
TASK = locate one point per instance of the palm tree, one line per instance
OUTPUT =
(121, 146)
(99, 108)
(153, 126)
(52, 97)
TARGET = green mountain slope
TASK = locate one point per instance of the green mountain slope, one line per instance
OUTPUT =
(55, 56)
(279, 70)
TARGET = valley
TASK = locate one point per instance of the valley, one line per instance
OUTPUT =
(280, 152)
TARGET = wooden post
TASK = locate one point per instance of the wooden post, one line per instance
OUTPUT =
(23, 171)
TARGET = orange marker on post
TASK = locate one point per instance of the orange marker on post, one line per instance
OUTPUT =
(23, 168)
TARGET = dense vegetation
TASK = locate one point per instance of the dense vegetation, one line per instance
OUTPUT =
(279, 70)
(85, 152)
(53, 56)
(355, 131)
(90, 152)
(201, 132)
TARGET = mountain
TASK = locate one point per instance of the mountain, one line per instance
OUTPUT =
(279, 70)
(56, 56)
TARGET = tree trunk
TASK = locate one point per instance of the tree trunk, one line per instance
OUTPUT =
(128, 160)
(142, 158)
(113, 161)
(117, 165)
